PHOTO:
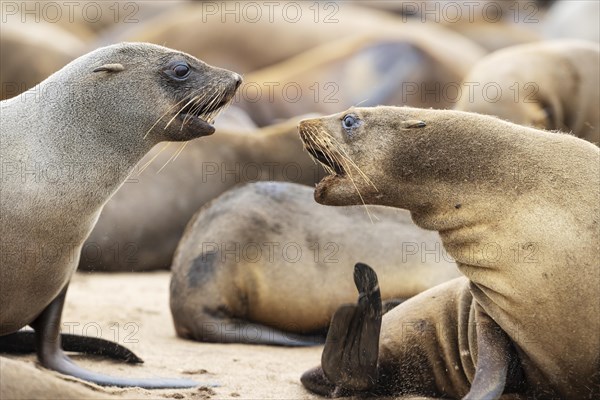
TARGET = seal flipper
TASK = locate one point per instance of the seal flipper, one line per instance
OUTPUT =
(351, 350)
(23, 342)
(494, 356)
(51, 355)
(222, 329)
(315, 380)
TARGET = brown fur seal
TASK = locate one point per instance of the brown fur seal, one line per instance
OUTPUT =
(205, 28)
(517, 208)
(257, 265)
(67, 145)
(125, 239)
(550, 85)
(492, 24)
(413, 65)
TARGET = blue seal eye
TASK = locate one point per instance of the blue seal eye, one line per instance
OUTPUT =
(350, 121)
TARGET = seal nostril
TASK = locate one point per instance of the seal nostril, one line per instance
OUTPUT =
(237, 79)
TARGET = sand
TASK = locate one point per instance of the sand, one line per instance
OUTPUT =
(133, 308)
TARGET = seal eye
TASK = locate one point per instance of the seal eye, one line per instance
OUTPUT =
(181, 70)
(350, 121)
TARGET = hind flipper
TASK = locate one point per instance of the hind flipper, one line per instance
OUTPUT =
(246, 332)
(52, 356)
(352, 347)
(23, 342)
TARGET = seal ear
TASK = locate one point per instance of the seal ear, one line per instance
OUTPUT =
(412, 123)
(110, 68)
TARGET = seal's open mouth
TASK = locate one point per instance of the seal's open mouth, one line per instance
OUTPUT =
(200, 115)
(206, 112)
(318, 151)
(327, 160)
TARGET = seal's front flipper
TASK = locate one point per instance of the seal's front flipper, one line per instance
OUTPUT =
(496, 359)
(23, 342)
(51, 355)
(351, 350)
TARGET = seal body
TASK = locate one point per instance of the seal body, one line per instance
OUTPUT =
(69, 143)
(482, 183)
(550, 85)
(407, 65)
(266, 260)
(125, 239)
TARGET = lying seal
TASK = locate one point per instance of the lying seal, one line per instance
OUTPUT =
(413, 65)
(518, 210)
(549, 85)
(67, 145)
(206, 29)
(125, 239)
(256, 265)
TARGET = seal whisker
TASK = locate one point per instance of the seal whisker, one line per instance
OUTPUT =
(345, 155)
(173, 156)
(197, 102)
(349, 174)
(162, 116)
(177, 113)
(335, 159)
(143, 168)
(308, 143)
(180, 150)
(312, 143)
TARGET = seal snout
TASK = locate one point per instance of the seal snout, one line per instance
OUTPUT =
(319, 147)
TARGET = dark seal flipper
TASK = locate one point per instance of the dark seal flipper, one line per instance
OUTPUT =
(23, 342)
(496, 359)
(52, 356)
(228, 330)
(352, 347)
(315, 380)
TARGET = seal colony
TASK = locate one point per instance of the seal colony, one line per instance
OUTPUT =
(507, 201)
(548, 85)
(67, 145)
(246, 272)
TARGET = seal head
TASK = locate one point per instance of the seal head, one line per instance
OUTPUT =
(357, 161)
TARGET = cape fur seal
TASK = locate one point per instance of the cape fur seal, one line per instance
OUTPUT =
(67, 145)
(517, 208)
(125, 239)
(265, 264)
(414, 65)
(550, 85)
(206, 28)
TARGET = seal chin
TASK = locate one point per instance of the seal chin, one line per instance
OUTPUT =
(196, 125)
(336, 190)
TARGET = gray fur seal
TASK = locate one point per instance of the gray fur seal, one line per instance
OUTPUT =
(517, 208)
(265, 264)
(550, 85)
(67, 145)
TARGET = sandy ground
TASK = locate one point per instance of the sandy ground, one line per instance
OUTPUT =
(139, 304)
